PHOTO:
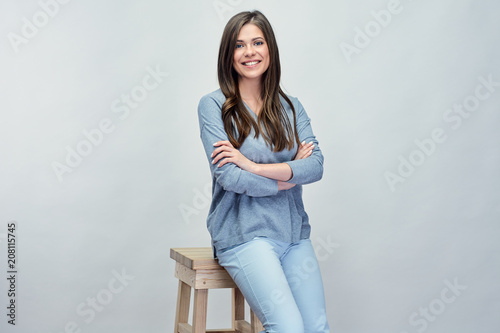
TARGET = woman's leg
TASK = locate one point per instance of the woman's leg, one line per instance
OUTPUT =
(256, 269)
(303, 274)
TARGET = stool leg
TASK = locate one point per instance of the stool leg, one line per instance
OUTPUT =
(200, 311)
(182, 310)
(255, 323)
(238, 307)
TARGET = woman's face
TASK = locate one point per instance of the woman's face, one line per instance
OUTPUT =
(251, 55)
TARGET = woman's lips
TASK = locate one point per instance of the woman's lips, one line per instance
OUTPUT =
(251, 63)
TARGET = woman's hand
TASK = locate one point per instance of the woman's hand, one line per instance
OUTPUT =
(231, 155)
(304, 151)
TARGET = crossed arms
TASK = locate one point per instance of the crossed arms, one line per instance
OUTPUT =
(234, 172)
(281, 172)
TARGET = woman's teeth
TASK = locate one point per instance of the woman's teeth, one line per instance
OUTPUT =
(251, 63)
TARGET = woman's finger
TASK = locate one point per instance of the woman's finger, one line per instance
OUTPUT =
(221, 155)
(220, 149)
(225, 143)
(227, 160)
(304, 150)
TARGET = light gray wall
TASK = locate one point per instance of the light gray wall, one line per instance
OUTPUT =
(405, 220)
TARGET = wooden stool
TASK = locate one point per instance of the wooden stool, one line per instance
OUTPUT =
(196, 268)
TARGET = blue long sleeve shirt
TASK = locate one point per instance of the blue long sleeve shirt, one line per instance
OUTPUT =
(245, 205)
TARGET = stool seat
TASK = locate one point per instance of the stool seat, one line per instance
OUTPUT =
(196, 268)
(195, 257)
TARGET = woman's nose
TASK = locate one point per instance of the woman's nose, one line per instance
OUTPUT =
(249, 50)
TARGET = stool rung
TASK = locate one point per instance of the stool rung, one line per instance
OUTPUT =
(242, 326)
(186, 328)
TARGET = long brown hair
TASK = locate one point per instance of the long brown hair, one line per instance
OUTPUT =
(273, 122)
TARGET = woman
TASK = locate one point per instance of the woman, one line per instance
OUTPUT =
(255, 138)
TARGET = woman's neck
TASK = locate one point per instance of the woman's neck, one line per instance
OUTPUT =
(250, 90)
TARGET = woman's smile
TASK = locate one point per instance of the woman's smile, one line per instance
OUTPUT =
(251, 64)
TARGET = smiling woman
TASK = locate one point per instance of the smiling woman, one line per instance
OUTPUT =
(248, 39)
(251, 57)
(255, 138)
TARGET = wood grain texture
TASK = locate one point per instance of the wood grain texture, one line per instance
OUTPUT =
(196, 269)
(195, 257)
(200, 310)
(183, 300)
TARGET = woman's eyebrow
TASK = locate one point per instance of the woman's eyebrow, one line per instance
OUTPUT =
(255, 38)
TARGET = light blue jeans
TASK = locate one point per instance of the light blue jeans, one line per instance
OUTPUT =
(281, 282)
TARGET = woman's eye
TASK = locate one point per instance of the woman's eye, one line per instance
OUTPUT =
(259, 43)
(239, 46)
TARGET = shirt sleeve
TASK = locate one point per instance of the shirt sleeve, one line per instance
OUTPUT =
(307, 170)
(229, 176)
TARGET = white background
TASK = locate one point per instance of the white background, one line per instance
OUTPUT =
(388, 252)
